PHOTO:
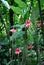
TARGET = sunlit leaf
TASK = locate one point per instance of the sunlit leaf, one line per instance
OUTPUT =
(16, 10)
(20, 3)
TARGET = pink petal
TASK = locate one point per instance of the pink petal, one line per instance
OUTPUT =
(17, 51)
(13, 30)
(28, 23)
(31, 47)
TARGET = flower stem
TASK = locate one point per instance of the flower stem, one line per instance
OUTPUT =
(24, 59)
(18, 59)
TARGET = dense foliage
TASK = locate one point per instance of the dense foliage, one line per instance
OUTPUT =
(22, 32)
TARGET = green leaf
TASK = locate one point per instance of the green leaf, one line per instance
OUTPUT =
(42, 2)
(25, 11)
(2, 50)
(16, 10)
(20, 3)
(18, 26)
(10, 62)
(16, 35)
(4, 61)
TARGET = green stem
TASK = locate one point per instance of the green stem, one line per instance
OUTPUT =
(18, 59)
(36, 37)
(24, 59)
(42, 27)
(12, 50)
(10, 55)
(37, 46)
(30, 56)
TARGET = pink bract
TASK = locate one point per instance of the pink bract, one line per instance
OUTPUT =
(18, 51)
(28, 23)
(31, 47)
(13, 30)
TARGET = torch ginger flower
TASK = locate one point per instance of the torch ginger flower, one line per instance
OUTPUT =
(17, 51)
(13, 30)
(31, 47)
(28, 23)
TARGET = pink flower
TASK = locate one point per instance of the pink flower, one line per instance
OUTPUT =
(39, 24)
(31, 47)
(28, 23)
(13, 30)
(17, 51)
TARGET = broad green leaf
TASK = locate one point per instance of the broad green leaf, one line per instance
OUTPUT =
(42, 2)
(20, 3)
(18, 26)
(16, 35)
(5, 61)
(25, 11)
(2, 50)
(16, 10)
